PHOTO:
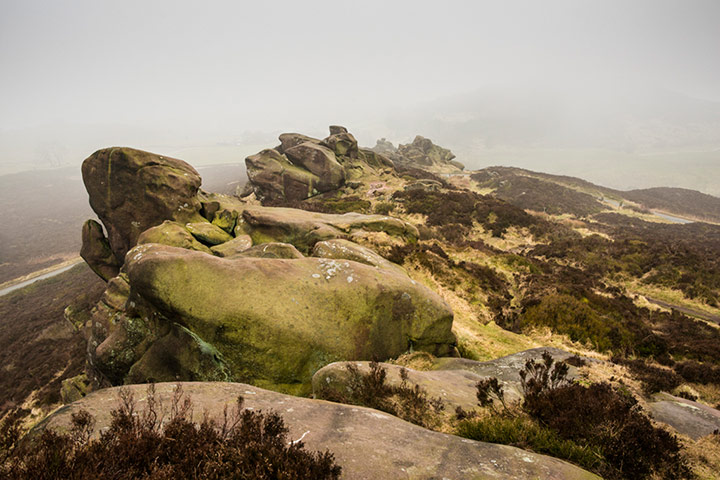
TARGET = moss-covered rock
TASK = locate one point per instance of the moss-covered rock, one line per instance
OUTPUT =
(96, 251)
(74, 388)
(178, 355)
(173, 234)
(208, 233)
(343, 143)
(233, 247)
(304, 229)
(132, 190)
(277, 321)
(225, 219)
(271, 250)
(341, 249)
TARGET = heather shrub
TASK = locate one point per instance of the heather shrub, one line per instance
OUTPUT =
(246, 444)
(598, 427)
(654, 379)
(406, 401)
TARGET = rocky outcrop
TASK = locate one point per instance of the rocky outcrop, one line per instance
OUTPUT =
(367, 444)
(421, 153)
(220, 289)
(302, 167)
(132, 190)
(321, 162)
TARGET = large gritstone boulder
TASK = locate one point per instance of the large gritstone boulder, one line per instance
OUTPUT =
(273, 322)
(132, 190)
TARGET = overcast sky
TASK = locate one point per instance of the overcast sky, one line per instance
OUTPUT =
(228, 66)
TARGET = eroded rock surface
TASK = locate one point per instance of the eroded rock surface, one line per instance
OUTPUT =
(367, 444)
(96, 251)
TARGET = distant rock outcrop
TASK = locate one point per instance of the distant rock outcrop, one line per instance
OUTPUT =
(367, 444)
(302, 167)
(421, 153)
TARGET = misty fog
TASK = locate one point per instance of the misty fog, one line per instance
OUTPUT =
(598, 89)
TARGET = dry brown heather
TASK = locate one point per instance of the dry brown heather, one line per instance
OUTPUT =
(38, 347)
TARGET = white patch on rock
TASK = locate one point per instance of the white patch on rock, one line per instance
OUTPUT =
(378, 415)
(350, 279)
(299, 439)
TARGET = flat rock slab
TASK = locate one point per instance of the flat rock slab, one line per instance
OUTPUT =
(506, 369)
(455, 387)
(369, 445)
(687, 417)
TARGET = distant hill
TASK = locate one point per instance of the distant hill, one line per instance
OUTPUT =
(557, 194)
(681, 201)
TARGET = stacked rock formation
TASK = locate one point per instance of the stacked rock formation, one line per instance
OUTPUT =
(302, 167)
(204, 286)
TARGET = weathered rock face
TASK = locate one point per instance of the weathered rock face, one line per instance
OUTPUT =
(274, 178)
(273, 321)
(303, 229)
(233, 247)
(321, 162)
(345, 249)
(96, 251)
(132, 190)
(352, 434)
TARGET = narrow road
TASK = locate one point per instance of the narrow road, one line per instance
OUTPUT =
(687, 311)
(64, 267)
